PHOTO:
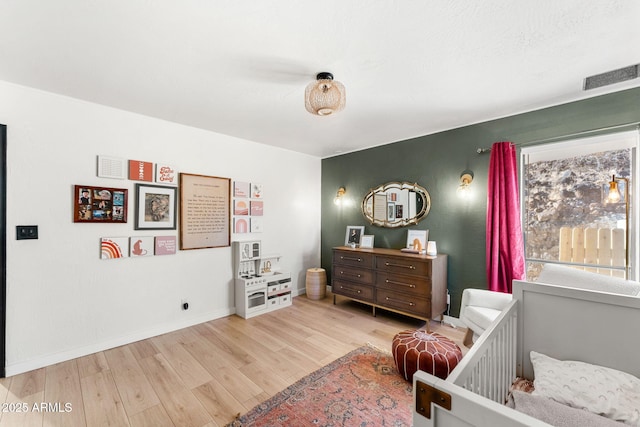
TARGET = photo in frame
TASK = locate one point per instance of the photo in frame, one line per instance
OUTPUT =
(156, 207)
(353, 235)
(366, 241)
(99, 204)
(417, 240)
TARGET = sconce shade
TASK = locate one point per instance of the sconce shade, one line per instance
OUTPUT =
(341, 192)
(466, 177)
(614, 194)
(325, 96)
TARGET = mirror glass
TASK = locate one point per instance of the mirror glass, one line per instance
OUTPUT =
(396, 204)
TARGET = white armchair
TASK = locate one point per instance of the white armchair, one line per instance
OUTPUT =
(478, 309)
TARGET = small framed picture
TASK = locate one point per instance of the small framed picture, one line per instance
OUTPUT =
(353, 235)
(155, 207)
(366, 241)
(391, 211)
(417, 239)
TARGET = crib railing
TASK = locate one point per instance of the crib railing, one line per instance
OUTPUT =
(489, 369)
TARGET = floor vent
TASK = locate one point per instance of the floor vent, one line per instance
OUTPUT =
(611, 77)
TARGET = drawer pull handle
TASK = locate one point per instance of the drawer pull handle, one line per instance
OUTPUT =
(409, 285)
(358, 275)
(410, 267)
(409, 303)
(348, 258)
(350, 289)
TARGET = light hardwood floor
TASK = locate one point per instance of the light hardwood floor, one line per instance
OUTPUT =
(203, 375)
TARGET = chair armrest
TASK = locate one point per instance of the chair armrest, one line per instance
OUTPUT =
(484, 298)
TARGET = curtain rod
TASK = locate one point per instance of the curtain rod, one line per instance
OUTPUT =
(561, 137)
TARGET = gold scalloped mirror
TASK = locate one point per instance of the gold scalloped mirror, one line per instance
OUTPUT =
(396, 204)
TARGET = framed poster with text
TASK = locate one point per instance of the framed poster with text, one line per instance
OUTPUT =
(205, 211)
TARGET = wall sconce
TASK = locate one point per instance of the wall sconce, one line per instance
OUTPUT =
(466, 178)
(614, 196)
(339, 196)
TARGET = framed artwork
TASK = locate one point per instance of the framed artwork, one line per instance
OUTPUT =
(256, 190)
(417, 239)
(256, 225)
(99, 204)
(241, 225)
(111, 167)
(257, 207)
(155, 207)
(165, 245)
(240, 189)
(391, 211)
(114, 247)
(141, 246)
(140, 170)
(240, 207)
(205, 206)
(367, 241)
(353, 235)
(166, 174)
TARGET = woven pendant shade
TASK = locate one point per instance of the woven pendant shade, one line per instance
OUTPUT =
(325, 96)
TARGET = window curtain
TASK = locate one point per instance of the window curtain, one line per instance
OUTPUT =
(505, 245)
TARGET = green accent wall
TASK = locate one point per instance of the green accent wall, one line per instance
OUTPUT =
(436, 162)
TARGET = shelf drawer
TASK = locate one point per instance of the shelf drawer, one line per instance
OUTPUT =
(357, 275)
(353, 258)
(353, 290)
(284, 299)
(273, 288)
(404, 302)
(414, 285)
(414, 267)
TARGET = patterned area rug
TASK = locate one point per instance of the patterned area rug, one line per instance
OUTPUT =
(362, 388)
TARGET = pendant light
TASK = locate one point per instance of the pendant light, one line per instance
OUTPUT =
(325, 96)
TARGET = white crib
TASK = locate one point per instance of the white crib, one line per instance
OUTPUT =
(565, 323)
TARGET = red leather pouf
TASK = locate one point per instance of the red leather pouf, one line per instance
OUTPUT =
(430, 352)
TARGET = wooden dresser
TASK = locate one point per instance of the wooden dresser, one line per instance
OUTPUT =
(411, 284)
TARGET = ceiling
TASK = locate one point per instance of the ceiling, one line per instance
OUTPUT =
(240, 67)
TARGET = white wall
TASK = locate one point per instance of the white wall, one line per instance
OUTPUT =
(63, 301)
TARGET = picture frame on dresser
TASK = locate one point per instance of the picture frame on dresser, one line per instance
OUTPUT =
(417, 238)
(366, 241)
(353, 235)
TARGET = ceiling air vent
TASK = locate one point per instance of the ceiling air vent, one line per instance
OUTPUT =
(611, 77)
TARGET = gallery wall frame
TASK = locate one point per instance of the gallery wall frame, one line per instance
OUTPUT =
(156, 207)
(99, 204)
(205, 211)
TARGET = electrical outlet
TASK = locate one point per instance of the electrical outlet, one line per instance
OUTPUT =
(184, 304)
(24, 232)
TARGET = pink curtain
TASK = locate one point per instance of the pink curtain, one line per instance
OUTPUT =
(505, 246)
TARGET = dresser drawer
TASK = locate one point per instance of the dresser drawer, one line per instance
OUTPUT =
(352, 274)
(404, 302)
(352, 290)
(353, 258)
(414, 285)
(414, 267)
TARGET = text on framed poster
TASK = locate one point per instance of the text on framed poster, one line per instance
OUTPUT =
(205, 211)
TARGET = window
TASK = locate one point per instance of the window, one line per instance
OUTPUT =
(566, 218)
